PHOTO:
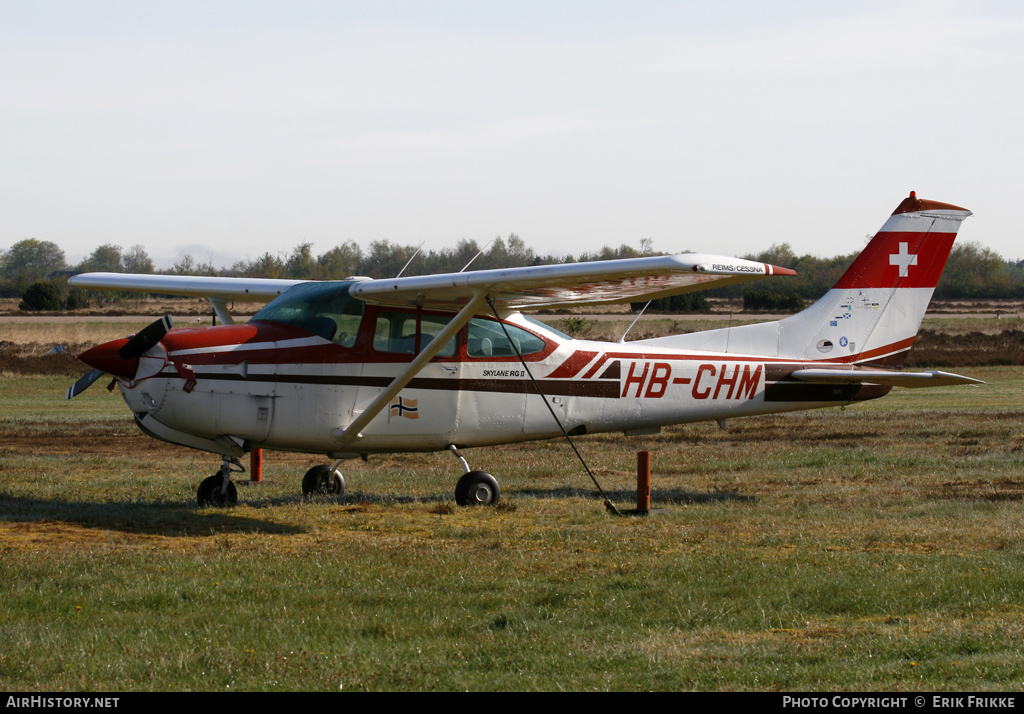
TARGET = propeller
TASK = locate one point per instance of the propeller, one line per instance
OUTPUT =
(120, 358)
(83, 382)
(146, 337)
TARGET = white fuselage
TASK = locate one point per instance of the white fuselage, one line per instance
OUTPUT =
(590, 387)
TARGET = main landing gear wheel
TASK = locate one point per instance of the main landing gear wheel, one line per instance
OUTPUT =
(211, 493)
(318, 482)
(477, 488)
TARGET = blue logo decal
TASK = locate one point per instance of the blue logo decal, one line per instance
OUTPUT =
(843, 342)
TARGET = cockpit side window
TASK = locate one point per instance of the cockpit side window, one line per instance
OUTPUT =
(396, 332)
(348, 323)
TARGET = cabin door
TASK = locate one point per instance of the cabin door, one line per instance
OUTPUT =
(429, 405)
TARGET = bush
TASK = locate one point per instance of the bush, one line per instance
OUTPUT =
(576, 326)
(53, 295)
(767, 300)
(76, 300)
(684, 303)
(41, 296)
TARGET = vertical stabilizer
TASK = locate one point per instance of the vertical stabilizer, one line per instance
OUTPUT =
(873, 312)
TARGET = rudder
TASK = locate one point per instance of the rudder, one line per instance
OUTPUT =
(873, 313)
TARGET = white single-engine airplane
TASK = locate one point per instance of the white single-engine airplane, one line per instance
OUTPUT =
(358, 366)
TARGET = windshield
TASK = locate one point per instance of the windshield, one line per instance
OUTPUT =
(325, 309)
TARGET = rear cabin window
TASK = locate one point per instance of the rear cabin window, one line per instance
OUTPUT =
(486, 338)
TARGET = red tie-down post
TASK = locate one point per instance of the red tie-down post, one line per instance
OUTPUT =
(256, 465)
(643, 481)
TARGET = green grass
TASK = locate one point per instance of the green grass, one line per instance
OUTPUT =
(872, 548)
(29, 398)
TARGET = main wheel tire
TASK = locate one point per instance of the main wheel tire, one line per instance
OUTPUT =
(318, 481)
(477, 488)
(209, 492)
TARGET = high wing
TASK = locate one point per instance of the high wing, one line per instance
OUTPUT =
(254, 289)
(216, 290)
(591, 283)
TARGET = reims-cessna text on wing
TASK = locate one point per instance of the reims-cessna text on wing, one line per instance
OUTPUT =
(355, 367)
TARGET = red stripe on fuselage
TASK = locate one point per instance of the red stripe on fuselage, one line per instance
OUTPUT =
(250, 334)
(719, 357)
(227, 336)
(900, 346)
(275, 343)
(575, 362)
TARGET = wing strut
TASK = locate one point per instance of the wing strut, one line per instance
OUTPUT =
(220, 309)
(607, 504)
(347, 435)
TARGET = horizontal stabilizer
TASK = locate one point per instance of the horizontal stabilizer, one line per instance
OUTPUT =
(931, 378)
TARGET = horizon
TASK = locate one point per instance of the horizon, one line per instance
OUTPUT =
(227, 266)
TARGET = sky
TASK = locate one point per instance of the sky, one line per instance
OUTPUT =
(225, 130)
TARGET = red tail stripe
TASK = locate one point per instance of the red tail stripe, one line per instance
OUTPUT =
(899, 260)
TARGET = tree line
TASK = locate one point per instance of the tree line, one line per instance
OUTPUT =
(972, 271)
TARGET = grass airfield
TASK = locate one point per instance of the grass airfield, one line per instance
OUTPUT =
(871, 548)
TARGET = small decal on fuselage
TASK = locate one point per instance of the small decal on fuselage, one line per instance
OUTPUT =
(504, 373)
(402, 407)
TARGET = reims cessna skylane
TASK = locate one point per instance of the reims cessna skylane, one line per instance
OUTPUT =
(358, 366)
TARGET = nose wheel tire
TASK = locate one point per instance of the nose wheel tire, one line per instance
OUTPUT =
(321, 481)
(210, 492)
(477, 488)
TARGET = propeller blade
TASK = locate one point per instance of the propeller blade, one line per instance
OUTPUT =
(83, 382)
(146, 337)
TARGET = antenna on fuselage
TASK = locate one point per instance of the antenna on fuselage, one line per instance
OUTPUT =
(623, 338)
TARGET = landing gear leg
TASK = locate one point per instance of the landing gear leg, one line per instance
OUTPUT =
(324, 480)
(475, 488)
(219, 490)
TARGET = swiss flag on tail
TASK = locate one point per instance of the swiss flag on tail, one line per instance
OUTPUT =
(910, 250)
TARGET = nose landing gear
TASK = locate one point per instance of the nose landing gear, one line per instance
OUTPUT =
(218, 490)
